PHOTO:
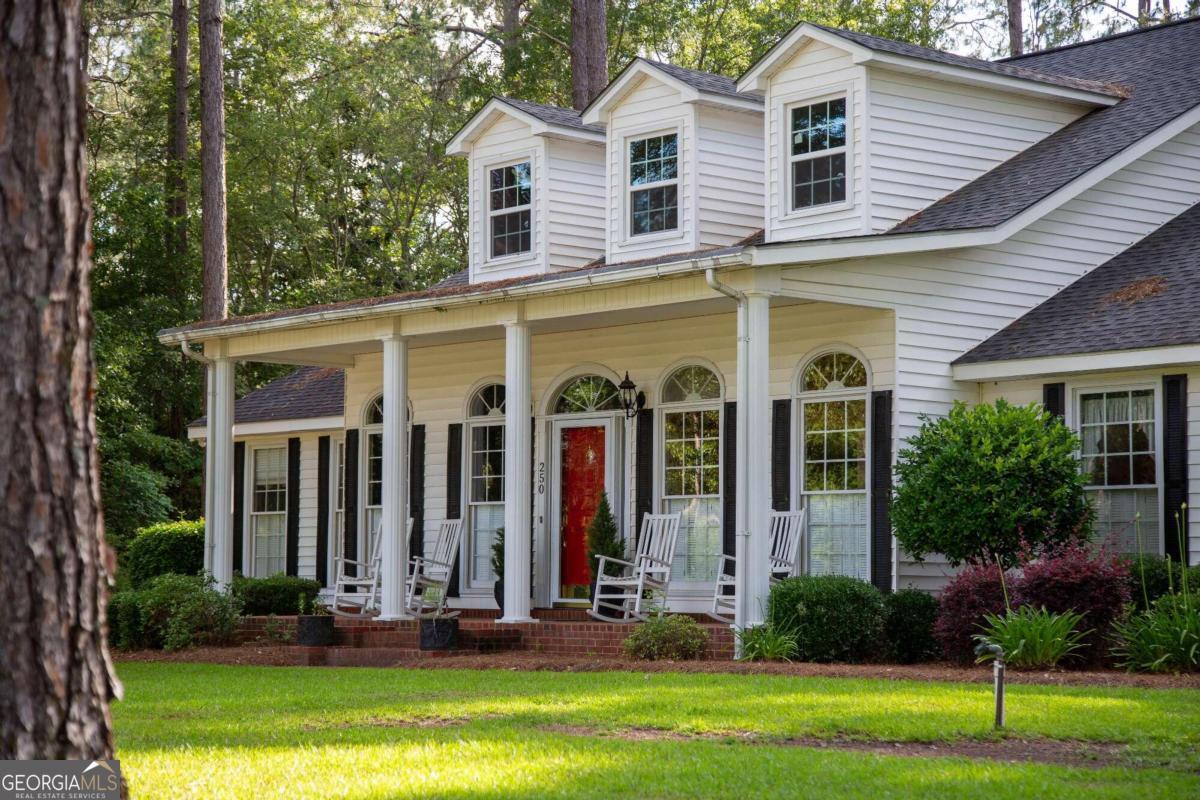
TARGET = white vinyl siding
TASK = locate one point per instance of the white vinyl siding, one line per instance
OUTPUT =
(575, 194)
(729, 181)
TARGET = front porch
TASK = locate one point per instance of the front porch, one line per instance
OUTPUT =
(514, 423)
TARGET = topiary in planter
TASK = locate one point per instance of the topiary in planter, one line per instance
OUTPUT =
(832, 617)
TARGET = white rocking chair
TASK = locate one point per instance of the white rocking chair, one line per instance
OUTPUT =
(357, 595)
(650, 572)
(789, 543)
(434, 573)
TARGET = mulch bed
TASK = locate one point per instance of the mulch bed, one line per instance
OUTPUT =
(282, 655)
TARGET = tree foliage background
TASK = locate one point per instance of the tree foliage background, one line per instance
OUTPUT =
(337, 112)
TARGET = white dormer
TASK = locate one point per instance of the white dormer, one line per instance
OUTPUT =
(685, 161)
(536, 189)
(862, 132)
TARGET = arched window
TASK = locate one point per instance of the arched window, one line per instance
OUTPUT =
(586, 394)
(833, 463)
(691, 468)
(485, 481)
(372, 474)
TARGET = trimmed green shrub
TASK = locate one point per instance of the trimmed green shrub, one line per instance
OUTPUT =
(988, 483)
(908, 617)
(1165, 638)
(280, 594)
(832, 617)
(603, 539)
(963, 606)
(168, 548)
(125, 627)
(179, 611)
(764, 643)
(670, 637)
(1035, 638)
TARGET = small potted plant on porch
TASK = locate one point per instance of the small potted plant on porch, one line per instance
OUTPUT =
(314, 623)
(438, 633)
(498, 568)
(603, 539)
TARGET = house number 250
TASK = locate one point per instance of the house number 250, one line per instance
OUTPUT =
(541, 477)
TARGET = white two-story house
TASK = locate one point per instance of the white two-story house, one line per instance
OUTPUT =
(721, 296)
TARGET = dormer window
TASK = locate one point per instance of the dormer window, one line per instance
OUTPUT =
(818, 154)
(509, 208)
(654, 184)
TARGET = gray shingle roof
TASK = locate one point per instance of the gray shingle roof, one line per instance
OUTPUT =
(552, 115)
(1160, 66)
(453, 280)
(1010, 70)
(709, 82)
(1146, 296)
(306, 393)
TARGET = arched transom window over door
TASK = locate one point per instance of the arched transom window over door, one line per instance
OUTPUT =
(833, 469)
(586, 394)
(691, 468)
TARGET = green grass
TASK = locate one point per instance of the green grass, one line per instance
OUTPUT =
(192, 730)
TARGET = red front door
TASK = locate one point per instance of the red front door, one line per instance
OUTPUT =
(580, 483)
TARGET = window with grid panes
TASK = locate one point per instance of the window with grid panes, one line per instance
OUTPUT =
(510, 203)
(486, 480)
(817, 157)
(654, 184)
(268, 510)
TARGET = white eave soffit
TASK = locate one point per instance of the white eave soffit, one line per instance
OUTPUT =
(756, 79)
(461, 144)
(598, 110)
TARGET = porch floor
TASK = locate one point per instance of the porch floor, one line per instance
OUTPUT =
(557, 631)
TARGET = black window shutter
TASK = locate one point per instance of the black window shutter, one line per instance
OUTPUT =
(292, 546)
(729, 506)
(1175, 466)
(454, 454)
(323, 510)
(643, 468)
(239, 502)
(781, 455)
(1054, 398)
(881, 490)
(350, 512)
(416, 489)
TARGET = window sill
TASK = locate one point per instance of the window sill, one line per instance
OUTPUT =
(813, 211)
(651, 238)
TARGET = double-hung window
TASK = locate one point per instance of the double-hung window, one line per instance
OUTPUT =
(818, 154)
(486, 480)
(1117, 431)
(510, 196)
(268, 510)
(654, 184)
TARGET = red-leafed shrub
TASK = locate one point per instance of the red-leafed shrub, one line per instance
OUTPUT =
(972, 594)
(1080, 578)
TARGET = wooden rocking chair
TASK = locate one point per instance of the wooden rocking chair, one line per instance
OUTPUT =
(433, 573)
(357, 594)
(788, 552)
(649, 572)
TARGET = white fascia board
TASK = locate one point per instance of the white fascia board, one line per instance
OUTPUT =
(460, 145)
(598, 110)
(276, 426)
(755, 79)
(1080, 362)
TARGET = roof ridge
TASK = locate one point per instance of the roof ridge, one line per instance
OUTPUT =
(673, 65)
(1106, 38)
(509, 99)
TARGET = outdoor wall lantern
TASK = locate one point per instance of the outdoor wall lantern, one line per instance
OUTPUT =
(631, 399)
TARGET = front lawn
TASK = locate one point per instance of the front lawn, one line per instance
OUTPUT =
(197, 730)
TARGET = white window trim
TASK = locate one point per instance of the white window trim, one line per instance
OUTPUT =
(248, 546)
(365, 432)
(488, 214)
(628, 237)
(337, 476)
(784, 143)
(1071, 418)
(469, 424)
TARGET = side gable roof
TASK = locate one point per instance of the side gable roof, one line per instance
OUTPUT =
(1146, 296)
(307, 393)
(693, 84)
(543, 119)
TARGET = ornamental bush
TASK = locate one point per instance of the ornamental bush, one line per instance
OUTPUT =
(1164, 638)
(179, 611)
(125, 627)
(168, 548)
(1034, 638)
(987, 483)
(1152, 577)
(963, 607)
(671, 637)
(908, 618)
(278, 594)
(831, 617)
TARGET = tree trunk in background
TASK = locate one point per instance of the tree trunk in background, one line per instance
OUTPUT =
(212, 159)
(177, 163)
(510, 36)
(589, 50)
(1016, 28)
(56, 675)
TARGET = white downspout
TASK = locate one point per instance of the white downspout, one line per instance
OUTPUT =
(742, 455)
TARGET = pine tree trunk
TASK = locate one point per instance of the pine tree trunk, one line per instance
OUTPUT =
(212, 159)
(56, 676)
(1016, 28)
(177, 163)
(589, 50)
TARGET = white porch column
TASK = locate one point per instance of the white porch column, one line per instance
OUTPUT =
(393, 545)
(210, 402)
(518, 463)
(218, 483)
(757, 466)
